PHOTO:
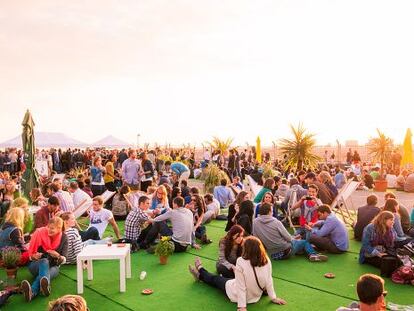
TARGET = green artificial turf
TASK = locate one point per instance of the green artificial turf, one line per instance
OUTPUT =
(297, 280)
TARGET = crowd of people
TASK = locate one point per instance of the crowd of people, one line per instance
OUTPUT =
(154, 199)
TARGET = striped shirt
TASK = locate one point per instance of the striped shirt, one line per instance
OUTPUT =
(65, 201)
(74, 245)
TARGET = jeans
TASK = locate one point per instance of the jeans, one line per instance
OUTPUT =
(216, 281)
(40, 268)
(324, 243)
(298, 246)
(225, 272)
(90, 234)
(161, 228)
(305, 234)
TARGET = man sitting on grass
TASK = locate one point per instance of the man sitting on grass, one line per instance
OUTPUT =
(100, 217)
(371, 294)
(277, 240)
(182, 227)
(329, 233)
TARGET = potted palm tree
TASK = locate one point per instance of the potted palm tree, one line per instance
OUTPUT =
(212, 175)
(380, 148)
(164, 249)
(299, 149)
(10, 256)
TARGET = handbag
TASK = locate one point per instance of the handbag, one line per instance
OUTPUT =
(257, 282)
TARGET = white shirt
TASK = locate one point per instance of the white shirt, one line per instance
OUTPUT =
(244, 289)
(79, 195)
(100, 220)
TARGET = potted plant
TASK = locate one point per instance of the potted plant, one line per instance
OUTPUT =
(10, 256)
(380, 148)
(212, 175)
(164, 249)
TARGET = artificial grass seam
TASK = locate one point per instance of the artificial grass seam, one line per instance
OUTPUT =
(97, 292)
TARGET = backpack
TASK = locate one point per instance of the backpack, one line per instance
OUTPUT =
(119, 208)
(403, 275)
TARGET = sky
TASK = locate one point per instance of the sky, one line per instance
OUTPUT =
(183, 71)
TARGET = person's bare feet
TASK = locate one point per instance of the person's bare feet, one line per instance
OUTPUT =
(197, 263)
(194, 272)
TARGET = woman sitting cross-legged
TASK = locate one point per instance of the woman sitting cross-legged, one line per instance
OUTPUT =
(230, 248)
(47, 250)
(253, 274)
(378, 244)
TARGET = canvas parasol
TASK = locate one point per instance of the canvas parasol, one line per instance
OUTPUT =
(407, 160)
(258, 150)
(30, 178)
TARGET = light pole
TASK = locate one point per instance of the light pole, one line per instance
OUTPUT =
(138, 135)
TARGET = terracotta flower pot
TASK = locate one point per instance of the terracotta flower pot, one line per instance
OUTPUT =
(11, 272)
(163, 260)
(380, 185)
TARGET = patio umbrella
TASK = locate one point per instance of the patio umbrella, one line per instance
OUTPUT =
(407, 160)
(30, 178)
(258, 151)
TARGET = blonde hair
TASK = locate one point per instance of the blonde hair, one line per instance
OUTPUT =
(56, 222)
(98, 199)
(164, 199)
(23, 204)
(95, 159)
(325, 177)
(15, 216)
(380, 221)
(68, 303)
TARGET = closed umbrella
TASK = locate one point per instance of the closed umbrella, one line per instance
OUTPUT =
(258, 150)
(407, 160)
(30, 177)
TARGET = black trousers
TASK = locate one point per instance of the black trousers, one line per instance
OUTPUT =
(225, 272)
(216, 281)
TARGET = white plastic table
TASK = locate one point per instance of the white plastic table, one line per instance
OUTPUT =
(104, 252)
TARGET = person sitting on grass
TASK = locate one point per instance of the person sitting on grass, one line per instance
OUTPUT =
(182, 227)
(253, 276)
(406, 225)
(136, 221)
(378, 244)
(212, 209)
(100, 217)
(269, 199)
(277, 240)
(308, 214)
(68, 303)
(268, 186)
(365, 215)
(329, 233)
(47, 251)
(198, 208)
(391, 205)
(223, 194)
(230, 248)
(234, 208)
(11, 233)
(371, 294)
(244, 216)
(46, 213)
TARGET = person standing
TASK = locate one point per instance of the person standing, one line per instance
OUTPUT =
(131, 171)
(148, 168)
(109, 177)
(97, 173)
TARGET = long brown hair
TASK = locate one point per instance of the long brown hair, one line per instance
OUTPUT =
(240, 197)
(391, 205)
(380, 222)
(229, 241)
(254, 251)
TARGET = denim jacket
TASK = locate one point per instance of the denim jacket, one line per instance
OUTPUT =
(367, 249)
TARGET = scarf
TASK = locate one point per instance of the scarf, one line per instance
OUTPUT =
(386, 240)
(41, 238)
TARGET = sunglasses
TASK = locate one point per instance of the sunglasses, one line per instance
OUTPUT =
(384, 293)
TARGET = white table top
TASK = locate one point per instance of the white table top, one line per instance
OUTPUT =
(102, 251)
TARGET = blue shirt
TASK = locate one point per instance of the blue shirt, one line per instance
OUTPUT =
(179, 168)
(340, 180)
(335, 229)
(224, 195)
(130, 170)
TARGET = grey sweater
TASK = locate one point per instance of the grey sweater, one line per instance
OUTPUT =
(182, 224)
(272, 233)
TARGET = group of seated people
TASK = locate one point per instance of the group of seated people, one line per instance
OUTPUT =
(255, 232)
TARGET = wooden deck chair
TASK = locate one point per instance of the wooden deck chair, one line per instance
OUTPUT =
(340, 201)
(85, 205)
(236, 190)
